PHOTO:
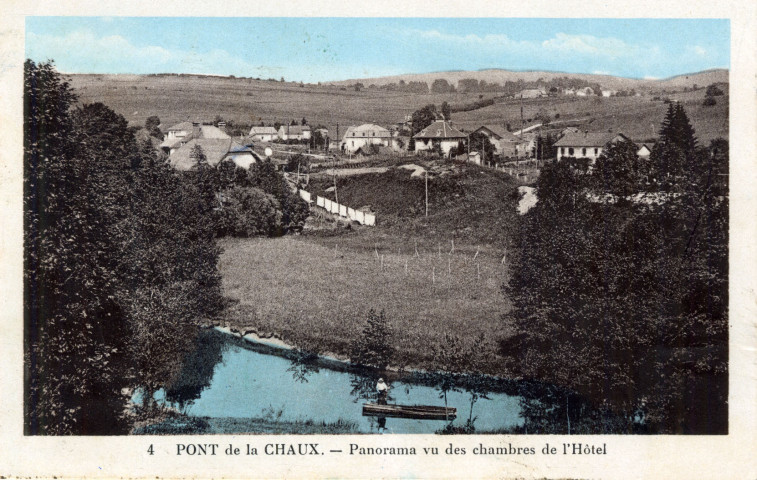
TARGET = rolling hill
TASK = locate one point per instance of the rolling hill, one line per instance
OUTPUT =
(246, 101)
(501, 76)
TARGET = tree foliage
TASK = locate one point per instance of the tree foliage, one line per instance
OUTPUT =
(117, 263)
(424, 117)
(625, 303)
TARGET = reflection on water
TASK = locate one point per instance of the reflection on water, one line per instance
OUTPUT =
(229, 377)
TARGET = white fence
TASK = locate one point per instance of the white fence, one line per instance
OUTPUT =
(305, 196)
(345, 211)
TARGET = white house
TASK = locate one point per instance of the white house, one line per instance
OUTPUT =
(532, 93)
(294, 132)
(586, 144)
(358, 137)
(645, 150)
(439, 133)
(263, 134)
(584, 92)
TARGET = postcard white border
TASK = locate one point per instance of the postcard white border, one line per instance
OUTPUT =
(728, 456)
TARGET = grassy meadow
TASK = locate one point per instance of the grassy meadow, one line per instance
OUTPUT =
(317, 295)
(178, 98)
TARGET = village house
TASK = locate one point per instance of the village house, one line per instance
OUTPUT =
(357, 138)
(532, 93)
(216, 150)
(179, 135)
(588, 145)
(645, 150)
(505, 143)
(584, 92)
(263, 134)
(294, 132)
(439, 133)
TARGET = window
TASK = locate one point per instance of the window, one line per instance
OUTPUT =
(373, 134)
(562, 150)
(596, 151)
(570, 151)
(583, 152)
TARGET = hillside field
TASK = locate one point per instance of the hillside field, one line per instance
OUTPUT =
(431, 275)
(175, 98)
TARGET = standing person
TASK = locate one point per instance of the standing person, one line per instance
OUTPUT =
(383, 390)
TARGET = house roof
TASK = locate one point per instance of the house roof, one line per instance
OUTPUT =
(209, 131)
(215, 149)
(501, 133)
(243, 156)
(367, 130)
(294, 129)
(589, 139)
(263, 131)
(440, 129)
(181, 126)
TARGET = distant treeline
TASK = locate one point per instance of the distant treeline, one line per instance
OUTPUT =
(471, 85)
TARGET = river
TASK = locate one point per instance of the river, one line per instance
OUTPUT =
(232, 377)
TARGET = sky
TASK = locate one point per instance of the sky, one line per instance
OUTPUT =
(330, 49)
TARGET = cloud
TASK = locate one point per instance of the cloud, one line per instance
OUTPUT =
(84, 52)
(560, 43)
(701, 51)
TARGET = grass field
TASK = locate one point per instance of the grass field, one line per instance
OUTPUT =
(178, 98)
(637, 117)
(318, 296)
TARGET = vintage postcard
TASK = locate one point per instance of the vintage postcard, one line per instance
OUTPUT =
(499, 241)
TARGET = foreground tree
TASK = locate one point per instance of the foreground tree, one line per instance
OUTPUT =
(623, 306)
(114, 252)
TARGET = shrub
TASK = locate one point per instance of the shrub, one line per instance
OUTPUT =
(247, 212)
(709, 101)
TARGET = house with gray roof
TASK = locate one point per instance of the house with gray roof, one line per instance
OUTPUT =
(357, 138)
(263, 134)
(586, 144)
(440, 133)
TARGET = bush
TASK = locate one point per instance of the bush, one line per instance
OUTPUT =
(709, 101)
(247, 212)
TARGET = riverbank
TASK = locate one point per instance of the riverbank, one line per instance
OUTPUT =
(185, 425)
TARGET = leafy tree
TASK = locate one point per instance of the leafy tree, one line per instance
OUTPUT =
(618, 170)
(298, 163)
(110, 233)
(445, 111)
(713, 91)
(375, 346)
(248, 212)
(423, 117)
(303, 121)
(448, 359)
(373, 351)
(152, 125)
(441, 85)
(623, 306)
(294, 209)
